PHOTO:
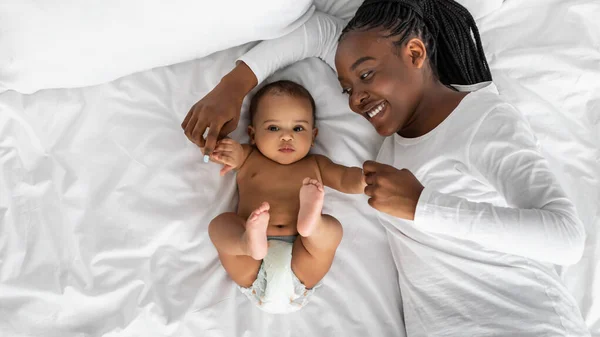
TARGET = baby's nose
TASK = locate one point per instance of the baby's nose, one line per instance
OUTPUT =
(287, 136)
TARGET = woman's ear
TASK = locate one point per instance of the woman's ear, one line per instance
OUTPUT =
(315, 132)
(251, 133)
(417, 52)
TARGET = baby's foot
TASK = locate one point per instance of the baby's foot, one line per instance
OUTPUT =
(256, 232)
(311, 205)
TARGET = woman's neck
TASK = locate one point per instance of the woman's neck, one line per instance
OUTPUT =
(436, 104)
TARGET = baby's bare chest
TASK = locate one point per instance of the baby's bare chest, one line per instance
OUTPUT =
(263, 176)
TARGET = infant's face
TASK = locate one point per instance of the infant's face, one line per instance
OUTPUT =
(283, 128)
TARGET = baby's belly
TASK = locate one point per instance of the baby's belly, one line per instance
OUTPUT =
(283, 212)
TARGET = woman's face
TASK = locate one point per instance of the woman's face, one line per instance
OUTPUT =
(384, 82)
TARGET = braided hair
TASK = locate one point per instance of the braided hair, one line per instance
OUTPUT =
(446, 28)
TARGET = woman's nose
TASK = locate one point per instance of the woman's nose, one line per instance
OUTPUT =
(357, 99)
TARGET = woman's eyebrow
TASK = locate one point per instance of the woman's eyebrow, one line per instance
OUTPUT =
(359, 61)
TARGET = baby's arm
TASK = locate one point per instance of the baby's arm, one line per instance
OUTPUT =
(231, 154)
(344, 179)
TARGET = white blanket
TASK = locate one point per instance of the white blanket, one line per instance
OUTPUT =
(104, 204)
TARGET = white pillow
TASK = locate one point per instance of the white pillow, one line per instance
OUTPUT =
(75, 43)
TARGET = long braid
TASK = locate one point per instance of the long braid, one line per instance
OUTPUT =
(447, 29)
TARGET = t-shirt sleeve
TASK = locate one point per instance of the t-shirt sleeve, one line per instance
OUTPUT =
(540, 222)
(316, 38)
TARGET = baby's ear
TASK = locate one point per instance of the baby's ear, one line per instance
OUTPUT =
(251, 134)
(315, 132)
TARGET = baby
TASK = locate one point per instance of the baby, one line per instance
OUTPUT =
(278, 245)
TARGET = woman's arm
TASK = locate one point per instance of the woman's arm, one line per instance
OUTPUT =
(316, 38)
(219, 110)
(540, 222)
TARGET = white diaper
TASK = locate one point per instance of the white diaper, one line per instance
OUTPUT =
(276, 289)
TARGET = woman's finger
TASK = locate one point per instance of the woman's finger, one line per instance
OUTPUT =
(190, 127)
(372, 202)
(190, 115)
(370, 178)
(213, 135)
(369, 167)
(198, 132)
(370, 190)
(228, 128)
(187, 117)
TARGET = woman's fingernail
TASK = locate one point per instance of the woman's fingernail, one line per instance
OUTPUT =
(206, 157)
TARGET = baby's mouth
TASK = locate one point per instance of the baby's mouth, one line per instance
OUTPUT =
(286, 149)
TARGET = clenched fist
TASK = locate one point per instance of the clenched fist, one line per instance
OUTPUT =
(392, 191)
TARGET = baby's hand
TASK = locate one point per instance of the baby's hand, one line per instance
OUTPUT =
(363, 178)
(229, 153)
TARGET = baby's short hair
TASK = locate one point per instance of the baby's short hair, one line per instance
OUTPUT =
(283, 87)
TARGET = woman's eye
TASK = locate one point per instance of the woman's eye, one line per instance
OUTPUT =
(273, 128)
(365, 75)
(298, 129)
(346, 91)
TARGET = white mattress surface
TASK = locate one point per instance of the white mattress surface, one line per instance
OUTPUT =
(104, 204)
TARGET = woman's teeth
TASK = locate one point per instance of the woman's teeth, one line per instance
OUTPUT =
(376, 110)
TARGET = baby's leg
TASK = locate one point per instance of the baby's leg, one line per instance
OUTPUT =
(320, 235)
(241, 244)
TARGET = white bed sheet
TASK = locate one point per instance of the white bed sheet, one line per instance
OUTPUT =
(104, 204)
(545, 59)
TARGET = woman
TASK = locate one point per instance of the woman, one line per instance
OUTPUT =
(477, 217)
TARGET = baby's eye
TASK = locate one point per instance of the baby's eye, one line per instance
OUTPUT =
(346, 91)
(273, 128)
(298, 128)
(365, 75)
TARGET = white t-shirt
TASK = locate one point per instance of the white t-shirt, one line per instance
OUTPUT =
(491, 222)
(478, 260)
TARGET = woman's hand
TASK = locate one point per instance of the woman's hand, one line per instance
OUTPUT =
(219, 110)
(392, 191)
